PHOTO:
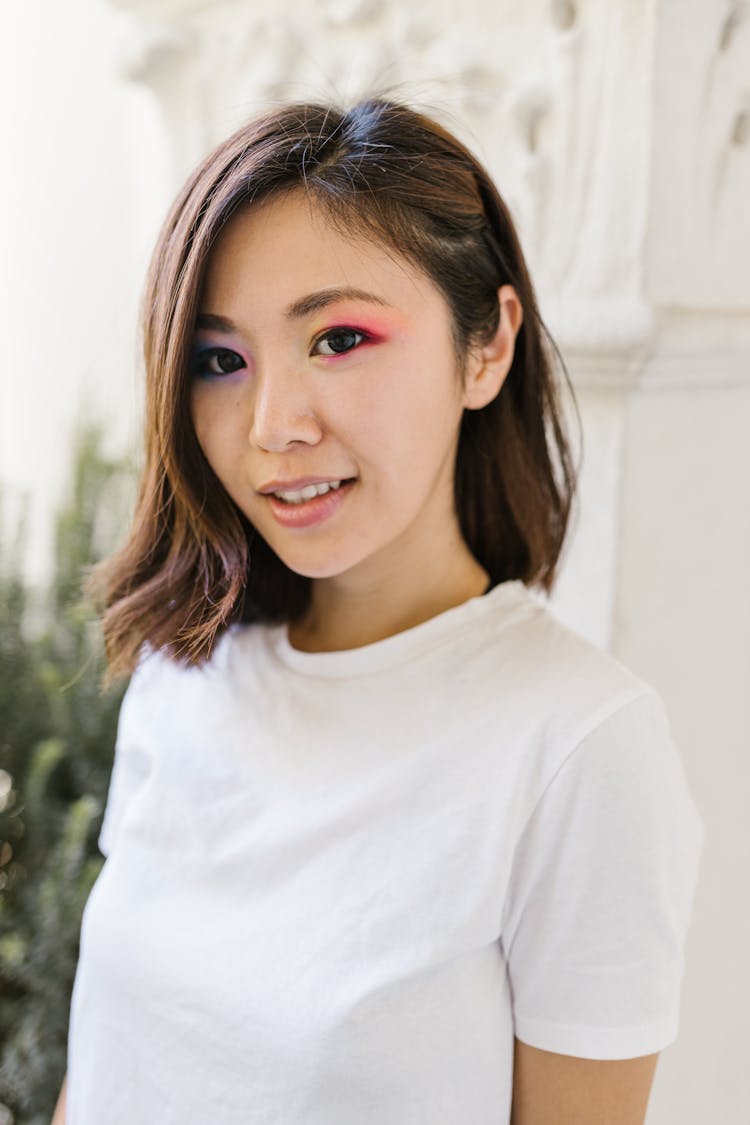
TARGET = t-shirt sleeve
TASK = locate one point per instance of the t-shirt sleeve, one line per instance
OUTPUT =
(128, 765)
(601, 893)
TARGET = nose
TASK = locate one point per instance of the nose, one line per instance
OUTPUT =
(282, 411)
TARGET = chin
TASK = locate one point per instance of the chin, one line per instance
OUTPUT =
(330, 567)
(321, 571)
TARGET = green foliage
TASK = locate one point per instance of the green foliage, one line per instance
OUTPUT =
(57, 733)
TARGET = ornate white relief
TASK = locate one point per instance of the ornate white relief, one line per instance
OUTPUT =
(164, 9)
(554, 96)
(148, 50)
(346, 12)
(699, 216)
(708, 349)
(564, 13)
(560, 133)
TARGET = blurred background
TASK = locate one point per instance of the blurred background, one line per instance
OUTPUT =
(619, 135)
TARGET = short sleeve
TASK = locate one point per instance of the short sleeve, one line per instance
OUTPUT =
(601, 893)
(128, 765)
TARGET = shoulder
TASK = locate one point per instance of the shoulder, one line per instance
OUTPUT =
(155, 664)
(552, 644)
(164, 684)
(560, 679)
(160, 676)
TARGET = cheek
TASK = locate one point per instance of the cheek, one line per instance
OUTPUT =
(212, 423)
(402, 426)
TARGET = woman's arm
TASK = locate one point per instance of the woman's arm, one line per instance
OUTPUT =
(58, 1117)
(574, 1091)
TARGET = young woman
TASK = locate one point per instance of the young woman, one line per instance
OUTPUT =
(385, 842)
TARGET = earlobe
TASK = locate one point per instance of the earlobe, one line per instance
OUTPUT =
(489, 367)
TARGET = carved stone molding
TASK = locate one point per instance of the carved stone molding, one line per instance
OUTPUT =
(164, 9)
(637, 346)
(699, 221)
(698, 350)
(625, 173)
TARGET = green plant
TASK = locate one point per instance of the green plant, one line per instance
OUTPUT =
(57, 733)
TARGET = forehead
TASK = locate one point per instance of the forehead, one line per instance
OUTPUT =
(274, 251)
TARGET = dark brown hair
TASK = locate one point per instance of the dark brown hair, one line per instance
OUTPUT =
(193, 563)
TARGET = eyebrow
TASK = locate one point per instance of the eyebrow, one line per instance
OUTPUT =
(302, 307)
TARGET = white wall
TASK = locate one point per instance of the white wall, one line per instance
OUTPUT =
(82, 182)
(619, 134)
(684, 620)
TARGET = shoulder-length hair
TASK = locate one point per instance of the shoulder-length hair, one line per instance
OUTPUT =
(192, 563)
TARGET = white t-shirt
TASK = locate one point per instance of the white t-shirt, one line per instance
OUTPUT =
(337, 884)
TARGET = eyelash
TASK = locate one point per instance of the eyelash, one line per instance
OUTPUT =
(344, 329)
(204, 355)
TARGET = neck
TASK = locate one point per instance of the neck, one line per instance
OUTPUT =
(349, 613)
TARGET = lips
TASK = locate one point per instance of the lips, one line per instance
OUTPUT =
(308, 513)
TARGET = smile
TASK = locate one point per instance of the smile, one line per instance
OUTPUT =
(311, 505)
(308, 493)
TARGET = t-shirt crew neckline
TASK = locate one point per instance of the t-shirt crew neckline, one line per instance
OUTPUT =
(395, 649)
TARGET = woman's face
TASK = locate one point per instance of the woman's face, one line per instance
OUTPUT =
(323, 358)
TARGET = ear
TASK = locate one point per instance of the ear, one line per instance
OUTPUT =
(487, 367)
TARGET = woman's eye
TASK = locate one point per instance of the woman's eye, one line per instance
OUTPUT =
(216, 361)
(339, 340)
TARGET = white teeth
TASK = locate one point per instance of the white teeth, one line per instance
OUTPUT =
(307, 493)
